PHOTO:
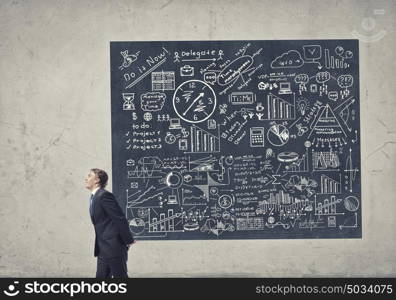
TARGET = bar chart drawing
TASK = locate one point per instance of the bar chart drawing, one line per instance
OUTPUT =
(283, 201)
(165, 223)
(301, 165)
(329, 185)
(280, 109)
(328, 206)
(325, 160)
(202, 141)
(334, 63)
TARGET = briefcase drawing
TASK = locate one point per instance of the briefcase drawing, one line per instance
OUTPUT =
(186, 71)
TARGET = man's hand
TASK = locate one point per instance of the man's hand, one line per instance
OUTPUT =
(129, 245)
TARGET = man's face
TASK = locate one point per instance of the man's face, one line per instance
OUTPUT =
(91, 181)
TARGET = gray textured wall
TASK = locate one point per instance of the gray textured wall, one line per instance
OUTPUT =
(55, 125)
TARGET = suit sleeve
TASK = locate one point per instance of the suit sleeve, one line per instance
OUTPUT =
(115, 213)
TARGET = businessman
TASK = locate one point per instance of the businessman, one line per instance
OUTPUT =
(112, 235)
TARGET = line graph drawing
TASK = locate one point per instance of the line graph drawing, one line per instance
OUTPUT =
(350, 170)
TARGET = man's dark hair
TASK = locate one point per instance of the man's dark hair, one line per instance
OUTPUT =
(102, 175)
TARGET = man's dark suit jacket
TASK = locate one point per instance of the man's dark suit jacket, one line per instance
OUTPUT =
(112, 232)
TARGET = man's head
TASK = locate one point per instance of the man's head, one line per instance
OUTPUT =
(96, 178)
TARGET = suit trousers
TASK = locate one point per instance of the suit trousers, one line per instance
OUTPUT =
(115, 267)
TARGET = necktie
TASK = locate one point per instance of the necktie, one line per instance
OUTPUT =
(90, 204)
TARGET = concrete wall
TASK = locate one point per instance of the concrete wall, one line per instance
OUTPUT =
(55, 125)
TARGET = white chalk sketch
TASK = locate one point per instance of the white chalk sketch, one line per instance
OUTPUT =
(152, 101)
(163, 81)
(280, 109)
(187, 71)
(339, 61)
(152, 64)
(302, 105)
(203, 141)
(242, 98)
(128, 59)
(128, 101)
(278, 135)
(302, 80)
(237, 139)
(257, 137)
(313, 53)
(328, 185)
(345, 81)
(194, 101)
(289, 59)
(351, 203)
(351, 171)
(345, 113)
(327, 206)
(284, 88)
(326, 123)
(235, 70)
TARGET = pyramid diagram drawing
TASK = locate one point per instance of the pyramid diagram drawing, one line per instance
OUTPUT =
(326, 123)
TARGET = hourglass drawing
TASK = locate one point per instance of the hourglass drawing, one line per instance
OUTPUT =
(128, 101)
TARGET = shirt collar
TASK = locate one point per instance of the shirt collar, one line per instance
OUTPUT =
(93, 192)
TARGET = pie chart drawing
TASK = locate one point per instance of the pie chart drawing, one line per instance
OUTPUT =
(136, 225)
(278, 135)
(287, 156)
(351, 203)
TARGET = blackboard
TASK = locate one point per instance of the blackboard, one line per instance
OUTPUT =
(237, 139)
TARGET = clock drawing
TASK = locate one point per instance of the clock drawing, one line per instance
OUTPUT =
(194, 101)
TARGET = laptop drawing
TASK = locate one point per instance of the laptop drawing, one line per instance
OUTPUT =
(174, 123)
(284, 88)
